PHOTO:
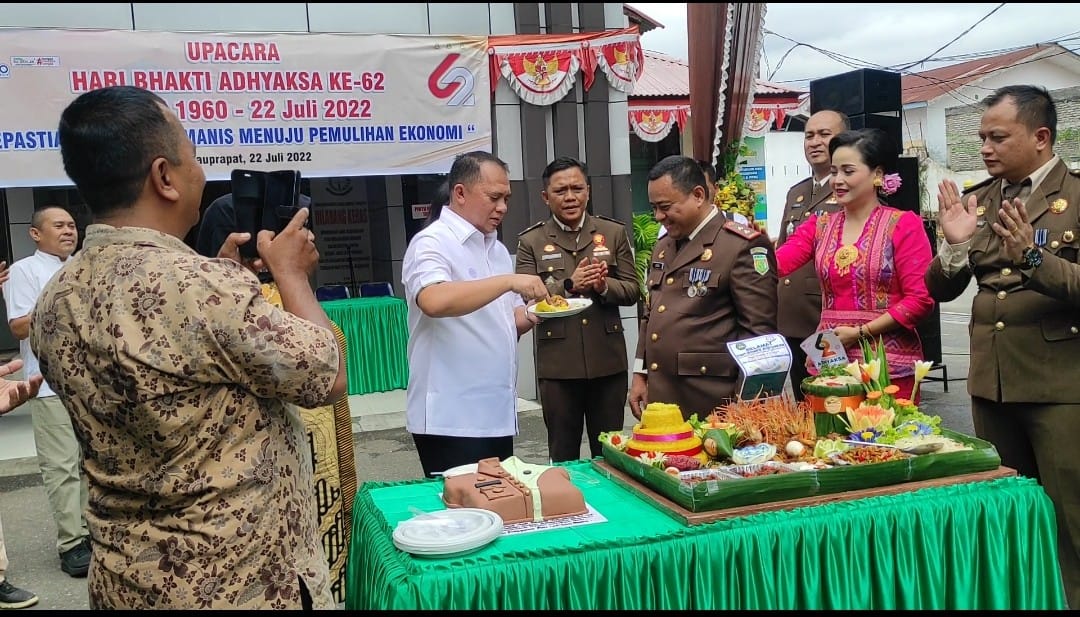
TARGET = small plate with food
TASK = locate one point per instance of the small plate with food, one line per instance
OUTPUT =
(558, 306)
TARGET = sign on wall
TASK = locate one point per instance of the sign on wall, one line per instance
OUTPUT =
(342, 230)
(330, 105)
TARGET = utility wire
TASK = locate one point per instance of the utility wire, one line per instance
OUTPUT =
(955, 39)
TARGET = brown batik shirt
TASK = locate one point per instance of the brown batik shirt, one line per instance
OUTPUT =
(180, 379)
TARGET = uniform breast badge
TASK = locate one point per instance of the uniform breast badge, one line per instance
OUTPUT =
(1068, 236)
(843, 259)
(1059, 206)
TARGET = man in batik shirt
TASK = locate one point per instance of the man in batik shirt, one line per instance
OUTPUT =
(176, 372)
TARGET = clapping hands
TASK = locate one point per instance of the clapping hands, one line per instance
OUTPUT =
(590, 275)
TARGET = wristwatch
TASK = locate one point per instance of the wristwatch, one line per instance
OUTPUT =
(1032, 257)
(568, 285)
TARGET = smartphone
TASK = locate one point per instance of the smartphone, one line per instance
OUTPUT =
(264, 200)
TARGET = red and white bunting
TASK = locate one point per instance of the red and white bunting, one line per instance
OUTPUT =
(541, 75)
(621, 60)
(542, 68)
(655, 123)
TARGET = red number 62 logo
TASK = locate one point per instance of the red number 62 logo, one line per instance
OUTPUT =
(454, 83)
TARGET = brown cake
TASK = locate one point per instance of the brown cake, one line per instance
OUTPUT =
(516, 491)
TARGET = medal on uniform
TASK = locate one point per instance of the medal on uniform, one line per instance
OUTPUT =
(692, 289)
(1059, 206)
(790, 228)
(981, 210)
(1041, 236)
(707, 255)
(1068, 236)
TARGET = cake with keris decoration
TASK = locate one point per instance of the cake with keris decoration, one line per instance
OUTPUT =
(662, 429)
(516, 491)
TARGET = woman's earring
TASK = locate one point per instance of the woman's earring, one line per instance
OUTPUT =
(877, 182)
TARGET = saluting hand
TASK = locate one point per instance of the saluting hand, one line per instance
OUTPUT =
(1014, 229)
(956, 218)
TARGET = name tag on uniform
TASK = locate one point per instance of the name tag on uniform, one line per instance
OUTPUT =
(551, 256)
(657, 265)
(601, 252)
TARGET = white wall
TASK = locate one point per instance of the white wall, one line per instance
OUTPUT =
(1051, 73)
(785, 165)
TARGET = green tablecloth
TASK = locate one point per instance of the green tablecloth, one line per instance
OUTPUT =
(988, 545)
(377, 331)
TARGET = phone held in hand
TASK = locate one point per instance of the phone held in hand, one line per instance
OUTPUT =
(264, 200)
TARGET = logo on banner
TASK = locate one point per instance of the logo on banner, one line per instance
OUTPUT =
(5, 71)
(451, 82)
(35, 60)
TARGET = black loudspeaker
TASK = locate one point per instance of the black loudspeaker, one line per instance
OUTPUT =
(865, 91)
(889, 124)
(907, 198)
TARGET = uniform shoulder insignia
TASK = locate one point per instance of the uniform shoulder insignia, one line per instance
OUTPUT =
(530, 228)
(974, 187)
(741, 230)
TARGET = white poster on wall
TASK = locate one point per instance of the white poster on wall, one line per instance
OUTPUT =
(342, 230)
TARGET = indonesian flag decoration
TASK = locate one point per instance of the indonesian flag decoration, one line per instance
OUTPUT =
(621, 60)
(542, 75)
(654, 124)
(543, 68)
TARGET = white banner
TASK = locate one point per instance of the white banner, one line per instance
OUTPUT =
(330, 105)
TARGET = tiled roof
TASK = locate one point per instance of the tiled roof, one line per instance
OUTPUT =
(929, 85)
(668, 76)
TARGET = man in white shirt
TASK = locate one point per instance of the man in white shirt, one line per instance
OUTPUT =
(466, 313)
(53, 230)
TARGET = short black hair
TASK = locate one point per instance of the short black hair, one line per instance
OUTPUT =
(562, 164)
(109, 138)
(1034, 106)
(466, 168)
(685, 173)
(709, 170)
(39, 213)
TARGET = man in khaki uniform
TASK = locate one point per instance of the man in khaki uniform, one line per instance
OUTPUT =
(710, 281)
(1018, 235)
(581, 359)
(799, 293)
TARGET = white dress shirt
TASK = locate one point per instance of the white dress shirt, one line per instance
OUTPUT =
(462, 370)
(27, 278)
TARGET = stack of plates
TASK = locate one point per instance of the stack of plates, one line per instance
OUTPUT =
(448, 533)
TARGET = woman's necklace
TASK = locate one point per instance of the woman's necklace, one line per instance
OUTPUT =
(844, 257)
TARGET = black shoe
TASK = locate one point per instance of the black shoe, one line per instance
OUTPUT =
(13, 597)
(76, 561)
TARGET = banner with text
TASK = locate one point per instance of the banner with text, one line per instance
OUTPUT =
(330, 105)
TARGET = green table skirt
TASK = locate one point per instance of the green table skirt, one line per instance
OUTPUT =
(988, 545)
(377, 331)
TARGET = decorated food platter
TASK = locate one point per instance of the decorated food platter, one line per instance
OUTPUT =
(557, 306)
(760, 451)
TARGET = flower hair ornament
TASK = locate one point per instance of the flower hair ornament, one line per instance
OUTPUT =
(888, 184)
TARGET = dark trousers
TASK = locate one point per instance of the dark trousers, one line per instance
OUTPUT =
(1038, 441)
(798, 370)
(571, 405)
(441, 452)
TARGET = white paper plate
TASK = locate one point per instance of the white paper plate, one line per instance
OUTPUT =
(460, 470)
(447, 532)
(576, 306)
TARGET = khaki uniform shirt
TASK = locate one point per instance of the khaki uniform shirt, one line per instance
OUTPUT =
(1025, 324)
(799, 293)
(590, 344)
(683, 334)
(176, 373)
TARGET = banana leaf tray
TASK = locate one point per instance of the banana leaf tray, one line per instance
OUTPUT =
(717, 495)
